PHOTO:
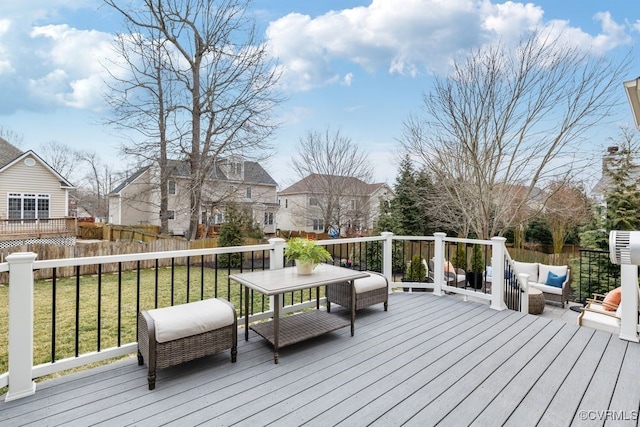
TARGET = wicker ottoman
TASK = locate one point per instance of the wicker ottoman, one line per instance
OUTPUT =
(173, 335)
(536, 301)
(369, 291)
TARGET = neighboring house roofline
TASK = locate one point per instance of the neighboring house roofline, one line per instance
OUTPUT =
(307, 185)
(254, 173)
(128, 181)
(8, 152)
(63, 181)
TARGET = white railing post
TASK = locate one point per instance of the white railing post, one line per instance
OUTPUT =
(497, 273)
(21, 382)
(524, 296)
(438, 263)
(629, 303)
(387, 255)
(276, 260)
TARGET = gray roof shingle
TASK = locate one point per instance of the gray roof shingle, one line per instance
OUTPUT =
(8, 152)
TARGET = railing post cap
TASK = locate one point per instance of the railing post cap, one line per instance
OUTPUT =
(499, 239)
(440, 234)
(386, 233)
(275, 240)
(21, 257)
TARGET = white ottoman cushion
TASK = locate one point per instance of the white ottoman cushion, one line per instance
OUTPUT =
(184, 320)
(375, 281)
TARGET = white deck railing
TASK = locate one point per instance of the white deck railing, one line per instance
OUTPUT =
(21, 266)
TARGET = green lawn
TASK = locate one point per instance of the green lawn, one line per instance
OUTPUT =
(91, 297)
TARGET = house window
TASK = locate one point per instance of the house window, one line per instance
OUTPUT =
(171, 214)
(204, 217)
(248, 192)
(172, 187)
(43, 206)
(318, 224)
(352, 205)
(28, 206)
(268, 218)
(313, 201)
(286, 203)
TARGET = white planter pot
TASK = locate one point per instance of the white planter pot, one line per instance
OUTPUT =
(305, 268)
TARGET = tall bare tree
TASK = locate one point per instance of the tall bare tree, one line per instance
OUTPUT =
(508, 122)
(142, 101)
(336, 172)
(567, 207)
(62, 158)
(98, 180)
(222, 76)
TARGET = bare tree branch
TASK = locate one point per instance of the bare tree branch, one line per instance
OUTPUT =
(506, 124)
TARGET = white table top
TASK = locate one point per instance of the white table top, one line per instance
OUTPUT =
(274, 282)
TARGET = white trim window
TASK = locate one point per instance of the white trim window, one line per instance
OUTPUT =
(318, 224)
(268, 218)
(28, 206)
(171, 186)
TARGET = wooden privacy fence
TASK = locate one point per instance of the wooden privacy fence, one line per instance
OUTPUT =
(105, 248)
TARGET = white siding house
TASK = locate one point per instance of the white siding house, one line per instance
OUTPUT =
(29, 187)
(355, 209)
(246, 183)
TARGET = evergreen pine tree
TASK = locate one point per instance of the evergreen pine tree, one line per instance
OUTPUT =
(623, 197)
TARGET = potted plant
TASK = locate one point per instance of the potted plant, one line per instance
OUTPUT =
(474, 275)
(416, 271)
(306, 253)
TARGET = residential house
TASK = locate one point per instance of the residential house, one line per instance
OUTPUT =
(233, 179)
(34, 198)
(599, 191)
(323, 202)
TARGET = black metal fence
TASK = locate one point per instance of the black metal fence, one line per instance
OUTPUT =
(597, 274)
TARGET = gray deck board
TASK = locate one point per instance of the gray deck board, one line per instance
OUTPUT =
(427, 361)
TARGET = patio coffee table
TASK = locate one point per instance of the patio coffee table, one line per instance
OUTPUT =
(299, 327)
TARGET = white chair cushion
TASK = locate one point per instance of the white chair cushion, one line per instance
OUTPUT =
(530, 268)
(194, 318)
(601, 321)
(375, 281)
(546, 288)
(560, 270)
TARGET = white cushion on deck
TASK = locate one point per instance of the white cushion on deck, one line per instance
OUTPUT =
(194, 318)
(601, 321)
(560, 270)
(375, 281)
(546, 288)
(530, 268)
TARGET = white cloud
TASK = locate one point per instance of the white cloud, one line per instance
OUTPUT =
(5, 61)
(420, 37)
(76, 57)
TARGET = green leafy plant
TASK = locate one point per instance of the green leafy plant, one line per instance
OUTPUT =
(305, 250)
(416, 271)
(477, 259)
(460, 257)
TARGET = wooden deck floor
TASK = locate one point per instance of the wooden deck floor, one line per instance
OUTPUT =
(427, 361)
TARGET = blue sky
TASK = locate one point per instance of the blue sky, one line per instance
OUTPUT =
(357, 66)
